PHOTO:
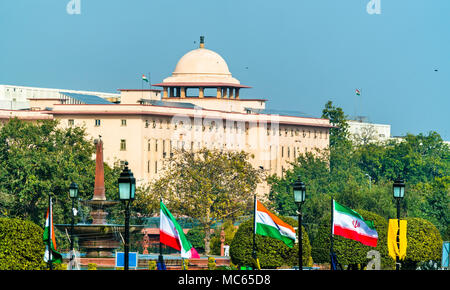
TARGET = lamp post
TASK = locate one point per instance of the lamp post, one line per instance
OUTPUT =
(127, 187)
(299, 198)
(399, 193)
(73, 194)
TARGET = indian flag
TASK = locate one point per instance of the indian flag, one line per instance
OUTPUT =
(351, 225)
(144, 78)
(268, 224)
(49, 238)
(171, 234)
(358, 92)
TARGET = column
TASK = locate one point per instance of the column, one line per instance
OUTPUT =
(201, 93)
(231, 93)
(178, 92)
(237, 93)
(225, 93)
(171, 92)
(183, 92)
(165, 93)
(219, 93)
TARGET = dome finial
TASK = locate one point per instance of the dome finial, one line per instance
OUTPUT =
(202, 41)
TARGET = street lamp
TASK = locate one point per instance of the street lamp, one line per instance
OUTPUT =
(127, 187)
(299, 189)
(73, 194)
(399, 193)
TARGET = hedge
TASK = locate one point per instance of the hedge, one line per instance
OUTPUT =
(271, 253)
(21, 245)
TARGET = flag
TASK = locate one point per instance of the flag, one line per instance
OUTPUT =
(49, 230)
(171, 234)
(144, 78)
(358, 92)
(351, 225)
(267, 224)
(393, 248)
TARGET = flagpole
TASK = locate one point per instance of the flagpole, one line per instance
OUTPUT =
(331, 236)
(160, 257)
(254, 230)
(50, 223)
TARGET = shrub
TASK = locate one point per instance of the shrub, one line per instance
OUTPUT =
(271, 253)
(350, 252)
(93, 266)
(211, 263)
(152, 265)
(424, 243)
(21, 245)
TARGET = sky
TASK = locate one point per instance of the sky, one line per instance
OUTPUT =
(298, 54)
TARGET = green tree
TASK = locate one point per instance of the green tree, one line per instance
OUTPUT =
(41, 158)
(206, 185)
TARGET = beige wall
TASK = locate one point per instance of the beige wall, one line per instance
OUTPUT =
(147, 126)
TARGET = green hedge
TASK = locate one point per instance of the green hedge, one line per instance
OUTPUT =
(351, 252)
(424, 243)
(272, 253)
(21, 245)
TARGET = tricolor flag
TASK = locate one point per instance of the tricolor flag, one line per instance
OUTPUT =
(144, 78)
(171, 234)
(50, 253)
(358, 92)
(351, 225)
(268, 224)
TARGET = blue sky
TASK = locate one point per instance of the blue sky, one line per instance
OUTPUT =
(298, 54)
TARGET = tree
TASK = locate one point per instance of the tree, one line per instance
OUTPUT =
(41, 158)
(339, 133)
(207, 185)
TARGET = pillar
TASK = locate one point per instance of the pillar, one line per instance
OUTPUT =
(171, 92)
(231, 93)
(183, 92)
(225, 93)
(219, 93)
(201, 93)
(178, 92)
(237, 93)
(165, 93)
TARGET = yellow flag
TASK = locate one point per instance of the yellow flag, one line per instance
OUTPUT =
(393, 247)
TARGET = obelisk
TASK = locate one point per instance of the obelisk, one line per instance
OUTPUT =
(99, 187)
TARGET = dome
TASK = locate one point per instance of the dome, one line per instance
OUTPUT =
(201, 65)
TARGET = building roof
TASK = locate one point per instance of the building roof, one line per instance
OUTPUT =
(86, 99)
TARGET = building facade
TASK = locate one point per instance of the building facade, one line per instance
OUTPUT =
(198, 106)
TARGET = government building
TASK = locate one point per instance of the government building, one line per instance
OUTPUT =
(199, 105)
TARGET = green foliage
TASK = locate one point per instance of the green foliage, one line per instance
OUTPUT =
(207, 185)
(21, 245)
(271, 253)
(350, 252)
(424, 243)
(196, 237)
(152, 265)
(92, 266)
(211, 263)
(41, 158)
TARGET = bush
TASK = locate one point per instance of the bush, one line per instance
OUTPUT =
(196, 236)
(21, 245)
(211, 263)
(350, 252)
(424, 243)
(271, 253)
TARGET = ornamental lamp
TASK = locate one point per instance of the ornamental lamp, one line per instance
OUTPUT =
(299, 191)
(73, 190)
(399, 188)
(127, 184)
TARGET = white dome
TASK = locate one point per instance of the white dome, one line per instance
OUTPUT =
(201, 65)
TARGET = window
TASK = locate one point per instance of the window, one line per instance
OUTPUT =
(97, 122)
(123, 122)
(71, 122)
(123, 145)
(146, 123)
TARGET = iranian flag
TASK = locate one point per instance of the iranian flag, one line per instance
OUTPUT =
(49, 238)
(144, 78)
(358, 92)
(268, 224)
(171, 234)
(351, 225)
